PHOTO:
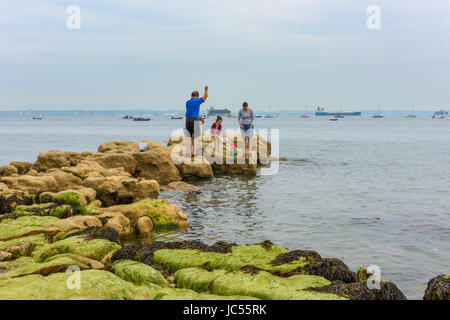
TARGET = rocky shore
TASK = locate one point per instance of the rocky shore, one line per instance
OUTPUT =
(80, 209)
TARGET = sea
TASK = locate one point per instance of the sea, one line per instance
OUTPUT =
(367, 191)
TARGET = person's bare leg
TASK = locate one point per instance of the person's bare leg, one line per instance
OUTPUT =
(195, 146)
(250, 145)
(188, 147)
(192, 146)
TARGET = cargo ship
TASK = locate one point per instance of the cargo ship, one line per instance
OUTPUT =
(218, 112)
(321, 112)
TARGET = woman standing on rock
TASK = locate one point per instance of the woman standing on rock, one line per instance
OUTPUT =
(245, 119)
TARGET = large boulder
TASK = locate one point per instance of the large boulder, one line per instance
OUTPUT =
(163, 214)
(156, 163)
(63, 179)
(118, 222)
(56, 159)
(193, 168)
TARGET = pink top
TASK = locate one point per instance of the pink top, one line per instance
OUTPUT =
(216, 131)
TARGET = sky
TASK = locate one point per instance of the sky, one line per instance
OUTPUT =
(274, 54)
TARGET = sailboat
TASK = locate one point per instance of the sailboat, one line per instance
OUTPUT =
(379, 115)
(269, 116)
(413, 114)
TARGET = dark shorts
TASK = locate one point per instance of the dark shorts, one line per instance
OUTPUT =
(192, 128)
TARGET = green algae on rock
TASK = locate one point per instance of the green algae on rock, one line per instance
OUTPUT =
(27, 225)
(163, 214)
(138, 273)
(77, 200)
(23, 246)
(94, 285)
(186, 294)
(95, 249)
(241, 256)
(262, 285)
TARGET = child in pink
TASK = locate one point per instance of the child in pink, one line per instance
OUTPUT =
(216, 132)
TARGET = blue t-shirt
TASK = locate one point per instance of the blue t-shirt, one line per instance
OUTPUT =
(193, 107)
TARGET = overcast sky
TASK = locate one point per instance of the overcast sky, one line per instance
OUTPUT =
(284, 54)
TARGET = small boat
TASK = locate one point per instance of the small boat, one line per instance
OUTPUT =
(412, 115)
(232, 117)
(141, 119)
(258, 116)
(379, 115)
(333, 119)
(269, 116)
(127, 117)
(304, 116)
(176, 117)
(441, 114)
(37, 117)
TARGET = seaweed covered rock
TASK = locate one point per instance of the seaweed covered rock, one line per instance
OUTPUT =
(23, 246)
(262, 285)
(118, 190)
(96, 232)
(26, 266)
(360, 291)
(118, 222)
(11, 198)
(26, 226)
(77, 199)
(332, 269)
(138, 273)
(438, 288)
(94, 285)
(163, 214)
(256, 256)
(81, 245)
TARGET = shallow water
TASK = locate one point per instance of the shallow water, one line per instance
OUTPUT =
(368, 191)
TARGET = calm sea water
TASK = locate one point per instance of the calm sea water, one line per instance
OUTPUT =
(367, 191)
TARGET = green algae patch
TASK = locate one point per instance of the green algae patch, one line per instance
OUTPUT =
(95, 249)
(138, 273)
(73, 199)
(156, 209)
(240, 256)
(262, 285)
(186, 294)
(28, 267)
(94, 285)
(24, 226)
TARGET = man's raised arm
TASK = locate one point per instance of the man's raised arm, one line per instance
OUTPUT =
(206, 94)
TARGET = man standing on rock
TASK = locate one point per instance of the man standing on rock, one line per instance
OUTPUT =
(193, 130)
